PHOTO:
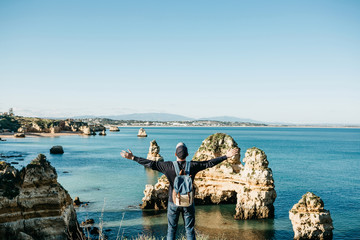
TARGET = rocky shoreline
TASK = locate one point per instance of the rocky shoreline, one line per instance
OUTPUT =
(33, 205)
(251, 186)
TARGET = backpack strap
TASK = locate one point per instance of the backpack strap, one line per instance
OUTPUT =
(187, 168)
(177, 169)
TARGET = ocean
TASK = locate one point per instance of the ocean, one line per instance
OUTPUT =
(325, 161)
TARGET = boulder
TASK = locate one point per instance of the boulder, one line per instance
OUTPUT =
(33, 205)
(142, 133)
(19, 135)
(77, 201)
(156, 197)
(57, 150)
(154, 152)
(103, 133)
(309, 218)
(114, 129)
(251, 186)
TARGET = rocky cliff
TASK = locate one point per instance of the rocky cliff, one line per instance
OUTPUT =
(33, 205)
(42, 125)
(309, 218)
(251, 186)
(154, 152)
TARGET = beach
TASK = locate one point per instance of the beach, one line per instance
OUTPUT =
(35, 134)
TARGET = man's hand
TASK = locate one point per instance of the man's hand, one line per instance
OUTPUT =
(128, 155)
(232, 152)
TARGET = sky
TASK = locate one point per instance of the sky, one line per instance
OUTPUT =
(272, 61)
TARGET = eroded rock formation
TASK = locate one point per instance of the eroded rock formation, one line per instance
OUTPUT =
(154, 152)
(309, 218)
(251, 186)
(142, 133)
(53, 126)
(114, 129)
(255, 199)
(33, 205)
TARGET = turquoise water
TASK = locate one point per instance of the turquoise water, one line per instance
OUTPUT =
(324, 161)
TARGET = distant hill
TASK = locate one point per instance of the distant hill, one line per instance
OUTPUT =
(144, 117)
(230, 119)
(167, 117)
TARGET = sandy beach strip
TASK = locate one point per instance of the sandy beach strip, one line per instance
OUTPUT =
(35, 134)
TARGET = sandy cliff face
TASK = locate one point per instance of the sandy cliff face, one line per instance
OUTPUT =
(309, 218)
(154, 152)
(257, 194)
(33, 205)
(251, 186)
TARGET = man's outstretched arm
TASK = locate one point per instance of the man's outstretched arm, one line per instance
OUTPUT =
(208, 164)
(154, 165)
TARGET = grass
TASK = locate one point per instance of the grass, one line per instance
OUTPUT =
(140, 237)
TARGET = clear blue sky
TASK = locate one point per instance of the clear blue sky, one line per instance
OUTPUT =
(282, 61)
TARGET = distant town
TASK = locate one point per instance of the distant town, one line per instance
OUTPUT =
(190, 123)
(8, 120)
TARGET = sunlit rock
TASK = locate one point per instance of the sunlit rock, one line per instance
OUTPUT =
(154, 152)
(309, 218)
(34, 205)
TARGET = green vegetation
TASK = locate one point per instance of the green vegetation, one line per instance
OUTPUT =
(257, 150)
(9, 122)
(13, 123)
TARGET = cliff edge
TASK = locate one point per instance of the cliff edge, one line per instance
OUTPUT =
(33, 205)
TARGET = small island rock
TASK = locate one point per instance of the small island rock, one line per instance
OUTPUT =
(77, 201)
(154, 150)
(114, 129)
(103, 133)
(57, 150)
(19, 135)
(142, 133)
(310, 220)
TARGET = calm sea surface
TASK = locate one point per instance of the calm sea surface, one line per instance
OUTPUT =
(324, 161)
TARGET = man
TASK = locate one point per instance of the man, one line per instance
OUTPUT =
(167, 168)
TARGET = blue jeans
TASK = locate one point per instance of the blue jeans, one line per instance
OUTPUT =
(188, 213)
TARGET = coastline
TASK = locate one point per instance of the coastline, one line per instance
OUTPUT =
(69, 133)
(269, 126)
(35, 134)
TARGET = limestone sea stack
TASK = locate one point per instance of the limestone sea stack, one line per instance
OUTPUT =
(33, 205)
(154, 152)
(251, 186)
(142, 133)
(255, 199)
(86, 130)
(310, 220)
(114, 129)
(103, 133)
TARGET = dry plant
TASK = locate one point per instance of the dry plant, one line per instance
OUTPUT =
(101, 222)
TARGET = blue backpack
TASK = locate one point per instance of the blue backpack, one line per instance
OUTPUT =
(183, 187)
